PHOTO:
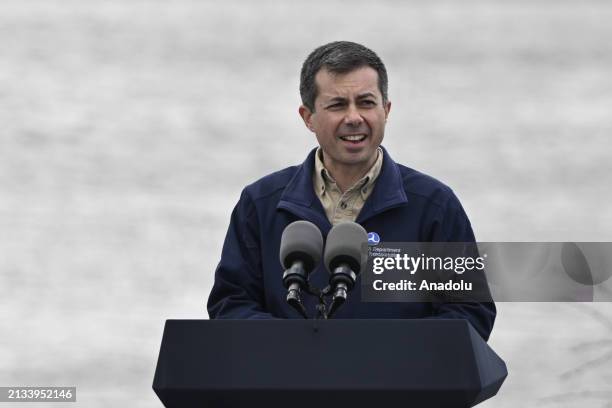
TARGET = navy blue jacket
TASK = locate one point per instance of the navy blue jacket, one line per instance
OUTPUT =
(405, 206)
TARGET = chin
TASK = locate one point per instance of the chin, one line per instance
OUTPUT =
(356, 160)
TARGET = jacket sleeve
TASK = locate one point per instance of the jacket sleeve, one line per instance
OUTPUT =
(453, 225)
(237, 292)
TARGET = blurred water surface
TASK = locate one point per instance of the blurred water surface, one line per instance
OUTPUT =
(129, 129)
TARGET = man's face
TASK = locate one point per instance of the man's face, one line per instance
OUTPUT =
(349, 117)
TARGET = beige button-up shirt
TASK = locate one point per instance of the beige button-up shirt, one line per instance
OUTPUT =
(345, 206)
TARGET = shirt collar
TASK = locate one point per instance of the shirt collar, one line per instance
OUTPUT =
(323, 180)
(388, 191)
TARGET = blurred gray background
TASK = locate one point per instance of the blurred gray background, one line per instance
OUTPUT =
(128, 130)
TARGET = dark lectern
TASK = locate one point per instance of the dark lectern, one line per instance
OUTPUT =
(325, 363)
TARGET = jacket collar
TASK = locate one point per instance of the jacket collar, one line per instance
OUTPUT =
(388, 190)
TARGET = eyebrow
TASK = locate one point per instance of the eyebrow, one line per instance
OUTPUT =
(366, 95)
(360, 96)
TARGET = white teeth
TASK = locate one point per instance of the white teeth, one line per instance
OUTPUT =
(353, 138)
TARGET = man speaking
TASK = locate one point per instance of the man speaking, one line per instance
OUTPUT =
(349, 177)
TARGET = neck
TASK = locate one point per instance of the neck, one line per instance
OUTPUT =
(347, 175)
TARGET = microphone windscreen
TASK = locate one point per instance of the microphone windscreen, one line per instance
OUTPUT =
(345, 244)
(301, 240)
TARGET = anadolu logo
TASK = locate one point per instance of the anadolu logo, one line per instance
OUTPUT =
(373, 238)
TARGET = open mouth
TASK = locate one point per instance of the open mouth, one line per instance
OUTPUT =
(354, 138)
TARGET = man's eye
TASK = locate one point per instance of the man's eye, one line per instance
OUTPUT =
(368, 103)
(335, 106)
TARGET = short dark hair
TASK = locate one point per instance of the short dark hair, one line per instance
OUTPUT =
(339, 57)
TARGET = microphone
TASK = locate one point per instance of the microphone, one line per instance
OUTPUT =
(344, 259)
(300, 252)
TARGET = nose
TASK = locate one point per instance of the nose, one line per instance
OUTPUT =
(353, 117)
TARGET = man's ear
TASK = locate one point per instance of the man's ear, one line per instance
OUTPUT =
(387, 109)
(306, 115)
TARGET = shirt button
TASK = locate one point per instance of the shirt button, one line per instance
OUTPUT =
(343, 205)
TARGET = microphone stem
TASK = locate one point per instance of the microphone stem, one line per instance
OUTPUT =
(339, 298)
(294, 299)
(294, 292)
